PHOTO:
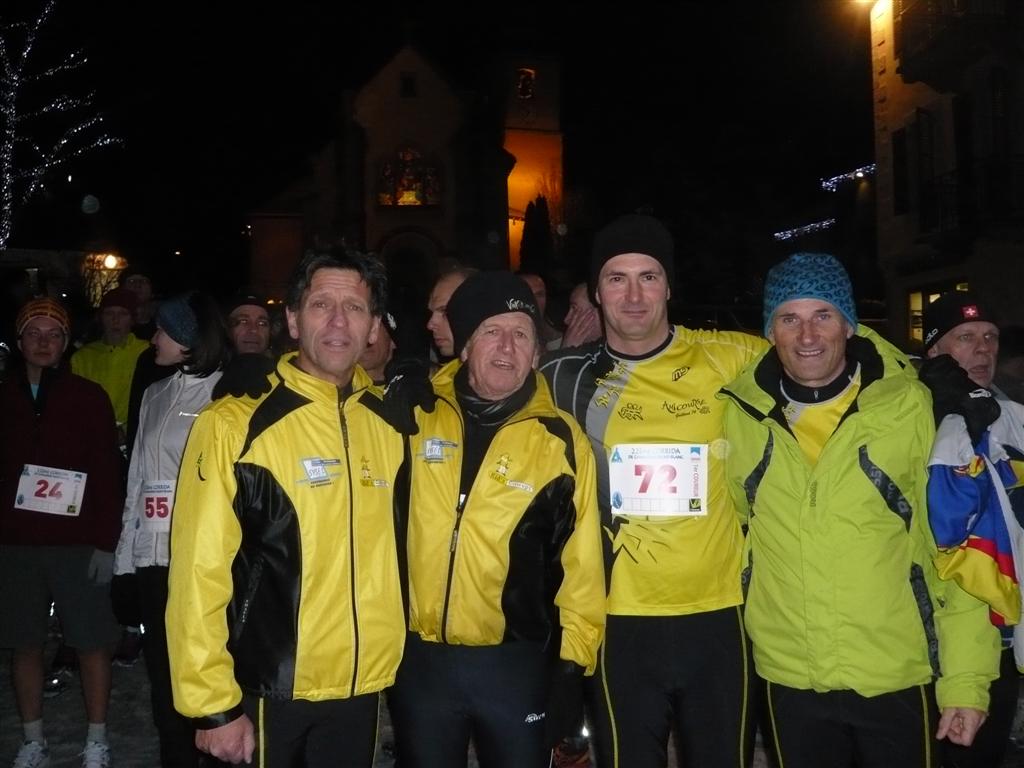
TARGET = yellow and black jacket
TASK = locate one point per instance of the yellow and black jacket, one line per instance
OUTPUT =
(284, 579)
(519, 558)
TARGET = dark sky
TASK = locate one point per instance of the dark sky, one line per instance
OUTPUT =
(664, 102)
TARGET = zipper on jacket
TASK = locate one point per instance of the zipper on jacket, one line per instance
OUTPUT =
(351, 546)
(451, 566)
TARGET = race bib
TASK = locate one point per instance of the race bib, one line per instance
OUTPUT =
(659, 479)
(157, 503)
(50, 490)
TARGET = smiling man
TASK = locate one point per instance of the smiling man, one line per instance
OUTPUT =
(829, 434)
(675, 655)
(285, 607)
(506, 582)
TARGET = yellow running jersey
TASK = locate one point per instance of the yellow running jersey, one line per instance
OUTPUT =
(654, 423)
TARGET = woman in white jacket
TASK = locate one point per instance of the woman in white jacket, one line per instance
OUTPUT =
(190, 335)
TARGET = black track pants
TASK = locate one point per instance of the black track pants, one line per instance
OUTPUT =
(691, 674)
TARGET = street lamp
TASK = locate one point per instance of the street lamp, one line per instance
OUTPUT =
(100, 272)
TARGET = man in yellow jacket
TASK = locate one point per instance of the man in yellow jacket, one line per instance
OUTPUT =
(284, 616)
(506, 580)
(829, 434)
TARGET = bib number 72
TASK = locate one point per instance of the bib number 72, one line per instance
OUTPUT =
(662, 477)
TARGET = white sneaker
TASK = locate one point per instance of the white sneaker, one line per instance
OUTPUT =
(32, 754)
(96, 755)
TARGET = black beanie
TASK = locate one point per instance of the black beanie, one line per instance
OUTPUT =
(950, 310)
(483, 295)
(245, 297)
(632, 233)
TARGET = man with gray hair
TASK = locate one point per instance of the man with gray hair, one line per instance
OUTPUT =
(506, 581)
(829, 434)
(974, 493)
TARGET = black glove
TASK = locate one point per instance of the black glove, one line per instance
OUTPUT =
(246, 374)
(563, 713)
(954, 392)
(408, 386)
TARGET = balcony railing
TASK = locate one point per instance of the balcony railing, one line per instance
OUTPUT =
(989, 192)
(937, 39)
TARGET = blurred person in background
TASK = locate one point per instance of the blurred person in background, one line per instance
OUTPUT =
(378, 353)
(1010, 362)
(550, 337)
(437, 304)
(248, 323)
(110, 359)
(583, 320)
(191, 342)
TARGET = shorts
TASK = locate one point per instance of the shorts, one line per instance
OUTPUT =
(32, 577)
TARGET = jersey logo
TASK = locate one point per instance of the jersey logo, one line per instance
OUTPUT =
(678, 373)
(437, 451)
(317, 470)
(631, 412)
(366, 478)
(696, 405)
(500, 474)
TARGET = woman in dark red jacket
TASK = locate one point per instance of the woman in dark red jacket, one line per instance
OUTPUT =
(61, 494)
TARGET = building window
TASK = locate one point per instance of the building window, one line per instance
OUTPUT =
(407, 85)
(526, 79)
(406, 179)
(900, 173)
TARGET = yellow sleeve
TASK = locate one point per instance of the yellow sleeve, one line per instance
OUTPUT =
(205, 536)
(581, 598)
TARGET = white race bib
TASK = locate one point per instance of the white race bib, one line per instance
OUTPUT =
(659, 479)
(157, 503)
(50, 490)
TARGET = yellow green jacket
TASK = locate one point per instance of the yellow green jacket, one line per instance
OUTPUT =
(112, 368)
(842, 593)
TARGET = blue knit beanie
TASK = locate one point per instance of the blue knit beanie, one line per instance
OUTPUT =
(809, 276)
(176, 318)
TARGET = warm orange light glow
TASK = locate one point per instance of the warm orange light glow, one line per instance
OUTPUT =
(538, 171)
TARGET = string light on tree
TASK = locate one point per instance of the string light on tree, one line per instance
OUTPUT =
(28, 153)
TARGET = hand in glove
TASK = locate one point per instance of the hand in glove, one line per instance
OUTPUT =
(246, 374)
(954, 392)
(408, 386)
(563, 713)
(101, 567)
